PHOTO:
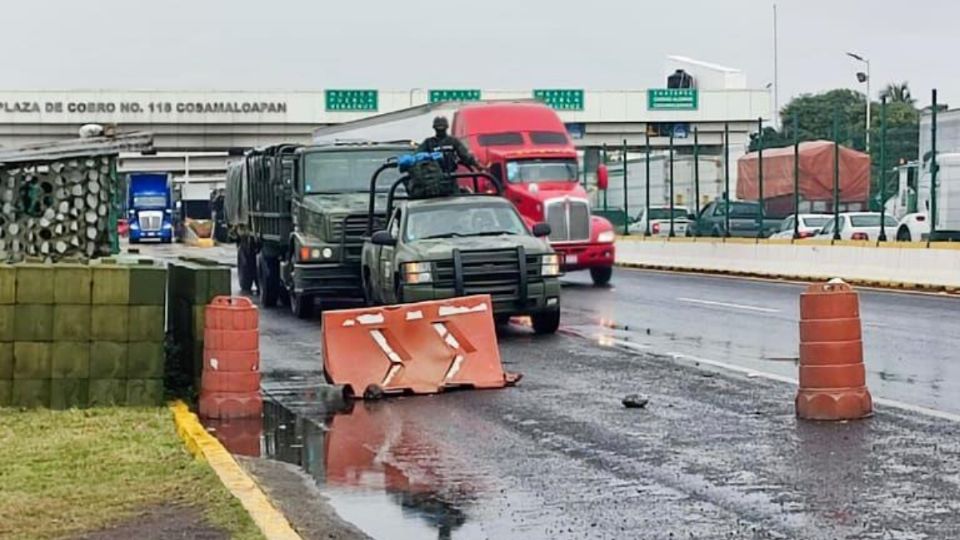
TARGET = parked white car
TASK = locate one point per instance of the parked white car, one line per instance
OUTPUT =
(808, 225)
(660, 221)
(858, 226)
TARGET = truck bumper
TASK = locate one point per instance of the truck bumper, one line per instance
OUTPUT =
(331, 280)
(163, 235)
(583, 256)
(541, 296)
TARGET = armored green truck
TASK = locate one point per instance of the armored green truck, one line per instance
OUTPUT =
(299, 216)
(471, 242)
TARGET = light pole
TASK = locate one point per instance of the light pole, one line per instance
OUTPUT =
(864, 78)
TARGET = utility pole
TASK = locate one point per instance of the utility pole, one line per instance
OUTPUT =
(776, 73)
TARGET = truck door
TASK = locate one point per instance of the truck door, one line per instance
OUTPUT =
(285, 186)
(382, 275)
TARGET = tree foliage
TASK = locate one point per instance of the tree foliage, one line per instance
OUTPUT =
(812, 116)
(898, 93)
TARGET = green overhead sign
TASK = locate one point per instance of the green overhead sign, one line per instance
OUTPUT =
(672, 99)
(561, 99)
(454, 95)
(352, 100)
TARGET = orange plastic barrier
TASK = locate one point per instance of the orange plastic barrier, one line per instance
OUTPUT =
(421, 348)
(832, 373)
(230, 381)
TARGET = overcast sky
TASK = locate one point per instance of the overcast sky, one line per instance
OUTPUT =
(510, 44)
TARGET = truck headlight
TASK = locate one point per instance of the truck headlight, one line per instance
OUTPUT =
(415, 273)
(314, 253)
(606, 237)
(551, 265)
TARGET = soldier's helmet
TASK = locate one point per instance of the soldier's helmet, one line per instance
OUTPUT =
(441, 122)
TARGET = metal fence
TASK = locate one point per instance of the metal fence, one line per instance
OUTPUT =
(680, 183)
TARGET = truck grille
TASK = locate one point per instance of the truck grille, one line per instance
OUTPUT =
(351, 232)
(150, 220)
(569, 220)
(493, 272)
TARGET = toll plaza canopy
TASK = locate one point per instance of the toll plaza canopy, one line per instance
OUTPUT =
(815, 172)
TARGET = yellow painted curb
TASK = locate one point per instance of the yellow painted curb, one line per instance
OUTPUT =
(201, 444)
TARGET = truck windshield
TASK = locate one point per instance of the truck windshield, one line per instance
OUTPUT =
(149, 201)
(347, 171)
(542, 170)
(455, 220)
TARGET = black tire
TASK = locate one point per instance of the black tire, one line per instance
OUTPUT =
(134, 240)
(246, 268)
(546, 322)
(903, 234)
(301, 305)
(601, 275)
(268, 277)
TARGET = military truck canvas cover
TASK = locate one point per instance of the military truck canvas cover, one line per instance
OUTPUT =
(234, 201)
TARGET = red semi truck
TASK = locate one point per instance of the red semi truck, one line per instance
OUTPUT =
(526, 146)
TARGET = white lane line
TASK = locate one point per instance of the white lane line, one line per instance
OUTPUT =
(892, 403)
(728, 305)
(751, 373)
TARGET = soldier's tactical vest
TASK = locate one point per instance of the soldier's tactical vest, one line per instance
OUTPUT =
(427, 180)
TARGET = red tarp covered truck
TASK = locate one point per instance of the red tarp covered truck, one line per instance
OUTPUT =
(816, 178)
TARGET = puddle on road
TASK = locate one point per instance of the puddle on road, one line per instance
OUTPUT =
(373, 461)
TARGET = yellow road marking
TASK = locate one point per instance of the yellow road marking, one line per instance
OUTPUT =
(201, 444)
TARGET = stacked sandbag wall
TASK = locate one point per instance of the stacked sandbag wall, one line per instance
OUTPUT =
(54, 210)
(79, 335)
(193, 283)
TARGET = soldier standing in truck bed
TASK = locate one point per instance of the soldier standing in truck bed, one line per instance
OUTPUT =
(453, 150)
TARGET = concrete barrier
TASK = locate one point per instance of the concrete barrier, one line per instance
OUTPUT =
(892, 264)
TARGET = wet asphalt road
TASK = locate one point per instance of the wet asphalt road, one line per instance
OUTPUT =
(715, 454)
(911, 341)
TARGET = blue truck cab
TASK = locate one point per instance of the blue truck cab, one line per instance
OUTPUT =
(149, 207)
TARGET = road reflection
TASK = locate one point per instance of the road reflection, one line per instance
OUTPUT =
(365, 454)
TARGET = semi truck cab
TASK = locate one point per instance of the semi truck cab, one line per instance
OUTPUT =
(526, 147)
(149, 207)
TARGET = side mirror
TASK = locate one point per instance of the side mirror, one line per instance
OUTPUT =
(383, 238)
(541, 230)
(603, 177)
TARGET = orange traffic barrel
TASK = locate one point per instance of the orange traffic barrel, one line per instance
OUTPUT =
(832, 373)
(230, 381)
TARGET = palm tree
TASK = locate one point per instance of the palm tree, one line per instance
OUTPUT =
(898, 93)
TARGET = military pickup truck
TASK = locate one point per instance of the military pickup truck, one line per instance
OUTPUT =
(467, 243)
(299, 214)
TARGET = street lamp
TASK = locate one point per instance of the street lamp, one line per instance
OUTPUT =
(864, 78)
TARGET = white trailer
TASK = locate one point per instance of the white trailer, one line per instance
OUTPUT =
(914, 224)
